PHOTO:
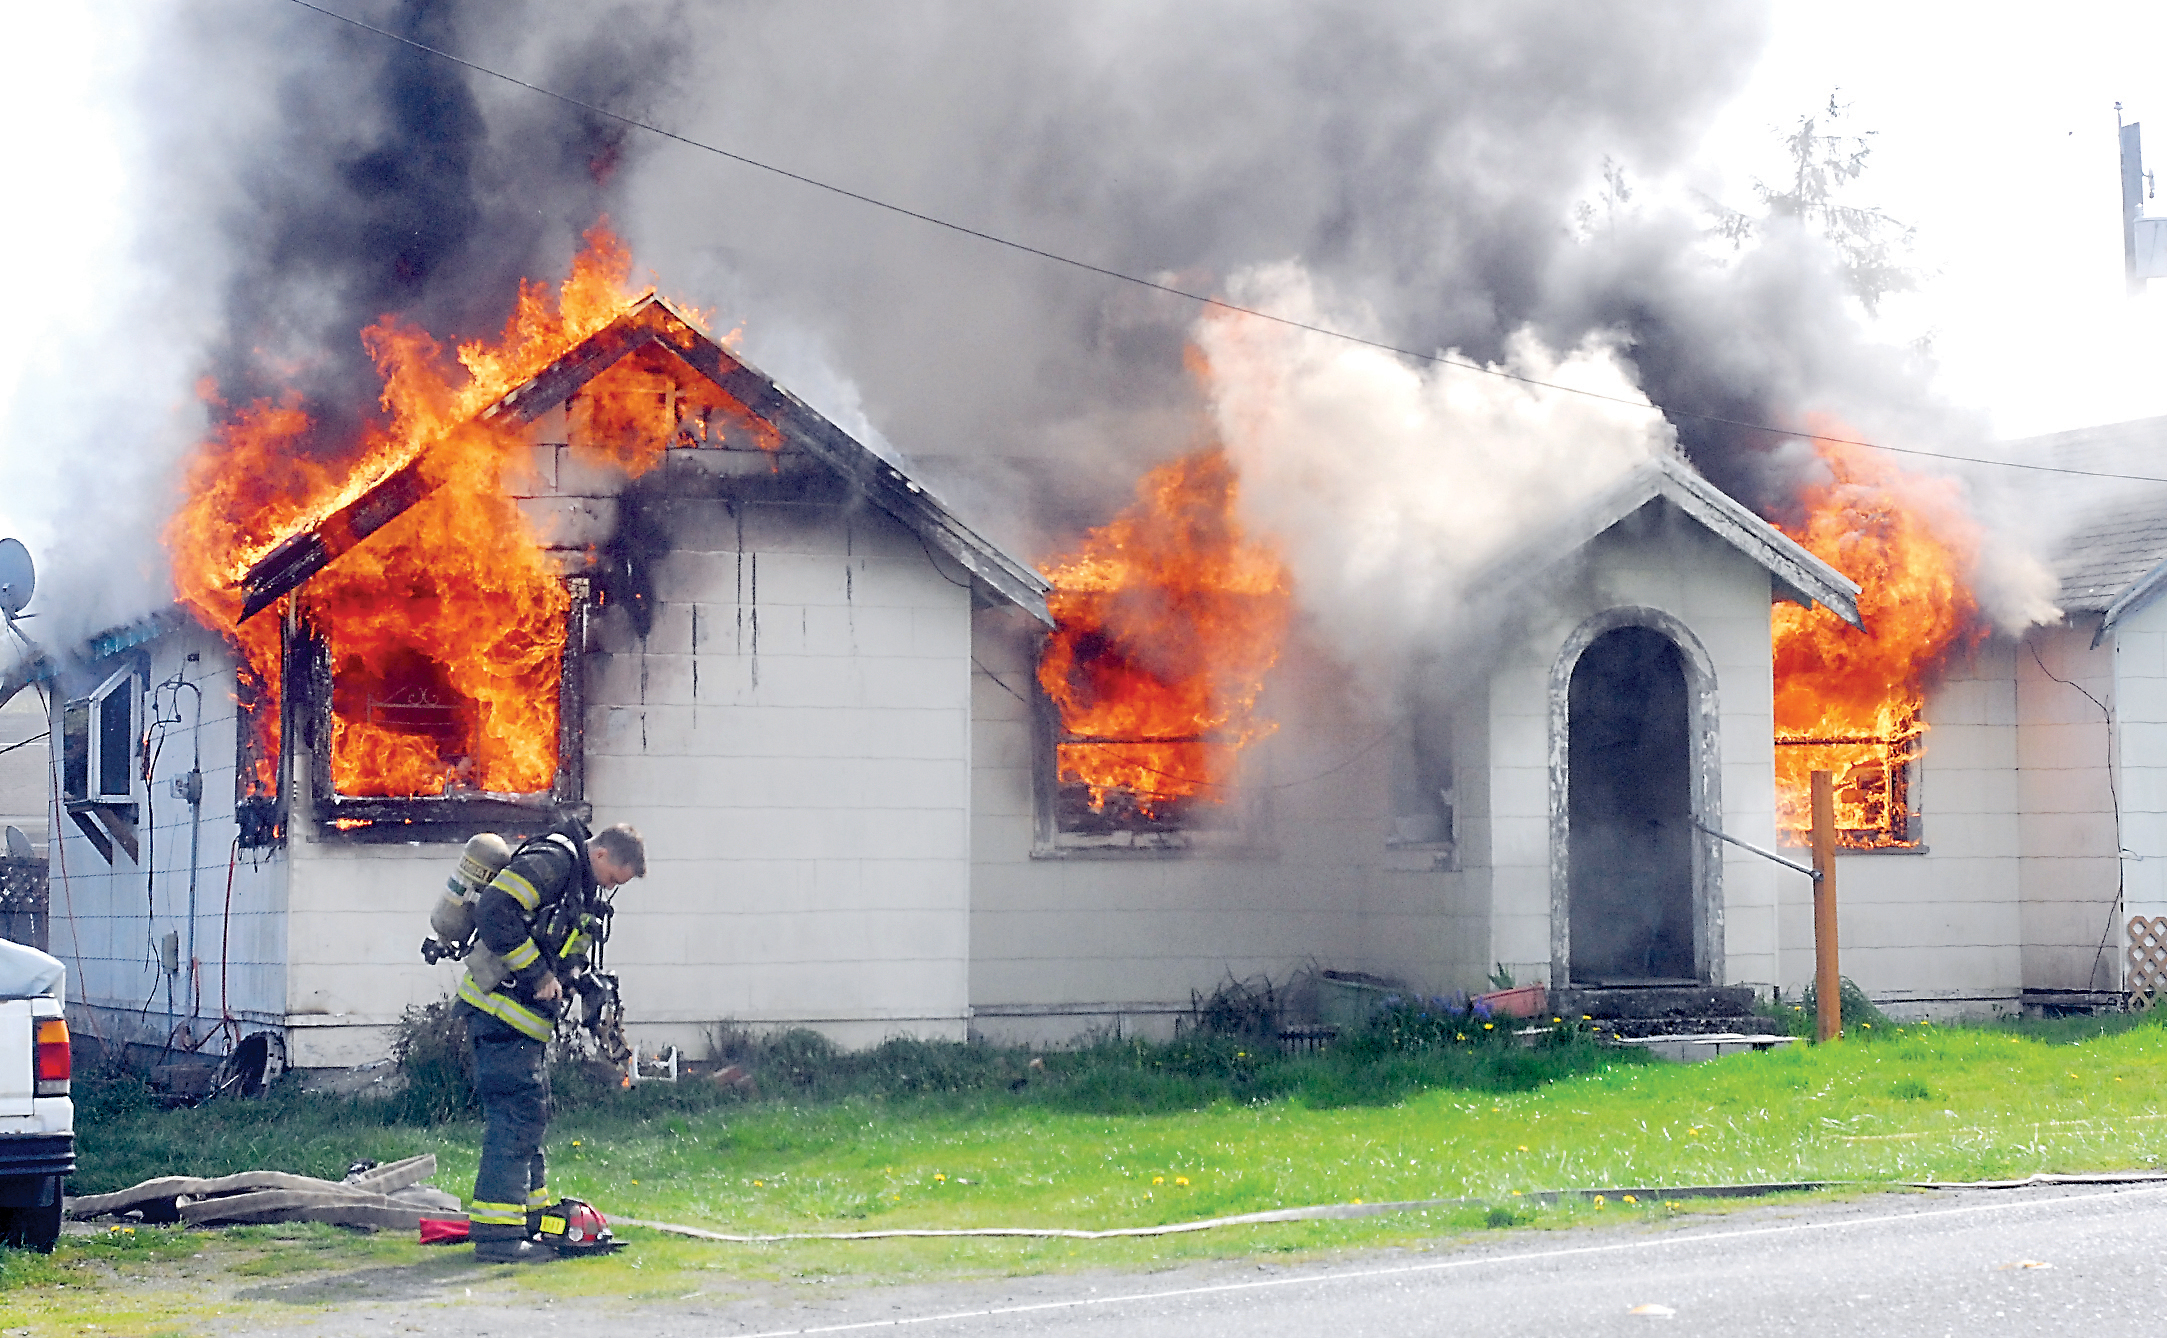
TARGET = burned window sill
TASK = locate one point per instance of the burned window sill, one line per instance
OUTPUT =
(1921, 849)
(1154, 846)
(445, 818)
(1421, 857)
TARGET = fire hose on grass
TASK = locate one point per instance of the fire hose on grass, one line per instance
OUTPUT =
(1349, 1211)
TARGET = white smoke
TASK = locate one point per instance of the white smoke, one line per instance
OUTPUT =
(1392, 485)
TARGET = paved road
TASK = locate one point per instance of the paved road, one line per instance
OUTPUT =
(2032, 1262)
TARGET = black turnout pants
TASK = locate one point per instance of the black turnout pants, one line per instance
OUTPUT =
(511, 1075)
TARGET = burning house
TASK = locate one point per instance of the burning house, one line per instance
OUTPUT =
(896, 780)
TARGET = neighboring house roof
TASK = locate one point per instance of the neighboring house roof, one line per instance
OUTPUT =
(652, 320)
(2110, 554)
(2113, 560)
(1799, 575)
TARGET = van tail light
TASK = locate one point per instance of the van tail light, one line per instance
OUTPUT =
(53, 1063)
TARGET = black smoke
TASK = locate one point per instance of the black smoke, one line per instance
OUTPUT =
(378, 179)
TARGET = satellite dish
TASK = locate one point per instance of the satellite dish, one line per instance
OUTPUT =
(19, 845)
(18, 578)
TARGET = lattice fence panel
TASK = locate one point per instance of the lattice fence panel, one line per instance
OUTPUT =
(23, 902)
(2147, 957)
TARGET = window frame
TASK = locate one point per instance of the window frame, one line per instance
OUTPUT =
(1408, 753)
(106, 817)
(1246, 834)
(1900, 754)
(455, 817)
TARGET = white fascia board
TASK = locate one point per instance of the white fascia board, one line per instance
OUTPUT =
(1782, 556)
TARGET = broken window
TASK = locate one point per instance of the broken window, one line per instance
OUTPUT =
(1874, 777)
(1143, 792)
(1167, 621)
(1423, 816)
(414, 731)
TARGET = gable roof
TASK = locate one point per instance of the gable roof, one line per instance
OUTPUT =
(1799, 575)
(652, 320)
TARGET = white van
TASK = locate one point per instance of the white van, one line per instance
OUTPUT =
(37, 1120)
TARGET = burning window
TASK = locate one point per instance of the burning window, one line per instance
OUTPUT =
(426, 665)
(1872, 775)
(1852, 702)
(1167, 620)
(400, 708)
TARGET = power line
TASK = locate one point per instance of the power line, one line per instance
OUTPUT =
(1201, 299)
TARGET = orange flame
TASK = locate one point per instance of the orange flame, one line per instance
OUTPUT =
(446, 628)
(1849, 702)
(1167, 620)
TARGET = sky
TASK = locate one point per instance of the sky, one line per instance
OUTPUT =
(1995, 141)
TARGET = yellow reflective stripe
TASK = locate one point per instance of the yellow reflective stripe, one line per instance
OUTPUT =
(572, 942)
(523, 956)
(537, 1198)
(517, 888)
(497, 1214)
(506, 1008)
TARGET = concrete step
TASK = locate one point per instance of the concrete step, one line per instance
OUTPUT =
(1653, 1001)
(1633, 1027)
(1681, 1048)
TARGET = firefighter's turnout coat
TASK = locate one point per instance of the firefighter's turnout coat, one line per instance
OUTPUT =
(548, 883)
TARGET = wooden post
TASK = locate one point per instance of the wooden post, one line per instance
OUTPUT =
(1827, 979)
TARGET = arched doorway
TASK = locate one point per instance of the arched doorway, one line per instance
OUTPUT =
(1630, 803)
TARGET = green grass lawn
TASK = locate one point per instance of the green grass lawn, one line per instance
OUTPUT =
(1916, 1103)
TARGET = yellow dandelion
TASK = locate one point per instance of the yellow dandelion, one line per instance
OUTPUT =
(1598, 1200)
(1158, 1180)
(575, 1142)
(1357, 1200)
(1489, 1026)
(1523, 1147)
(759, 1184)
(1183, 1180)
(940, 1179)
(1630, 1199)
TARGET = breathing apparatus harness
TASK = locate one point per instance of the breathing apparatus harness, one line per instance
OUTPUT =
(571, 932)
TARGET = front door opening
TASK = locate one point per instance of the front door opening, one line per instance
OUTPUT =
(1631, 847)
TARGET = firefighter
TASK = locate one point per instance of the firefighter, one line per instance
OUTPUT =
(512, 1019)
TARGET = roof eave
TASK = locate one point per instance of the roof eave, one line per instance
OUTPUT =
(2140, 593)
(1789, 563)
(1796, 573)
(994, 573)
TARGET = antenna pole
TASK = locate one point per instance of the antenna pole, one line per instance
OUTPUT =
(2132, 145)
